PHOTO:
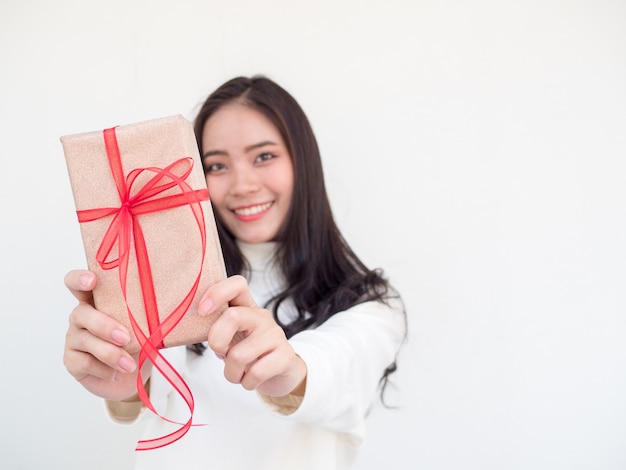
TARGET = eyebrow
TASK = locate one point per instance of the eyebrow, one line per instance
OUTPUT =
(259, 145)
(247, 149)
(210, 153)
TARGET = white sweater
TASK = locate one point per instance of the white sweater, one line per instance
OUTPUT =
(345, 359)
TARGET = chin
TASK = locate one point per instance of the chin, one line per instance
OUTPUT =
(257, 238)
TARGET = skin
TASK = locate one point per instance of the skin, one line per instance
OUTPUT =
(250, 172)
(250, 180)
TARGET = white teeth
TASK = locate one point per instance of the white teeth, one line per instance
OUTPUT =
(252, 210)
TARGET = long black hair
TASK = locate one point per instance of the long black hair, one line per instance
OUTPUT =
(324, 276)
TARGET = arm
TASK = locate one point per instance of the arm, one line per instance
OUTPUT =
(346, 357)
(326, 377)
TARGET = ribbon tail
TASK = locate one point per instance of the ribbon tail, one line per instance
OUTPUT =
(150, 444)
(151, 353)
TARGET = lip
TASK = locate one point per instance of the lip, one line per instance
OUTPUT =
(252, 212)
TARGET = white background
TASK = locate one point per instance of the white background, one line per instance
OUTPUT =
(473, 149)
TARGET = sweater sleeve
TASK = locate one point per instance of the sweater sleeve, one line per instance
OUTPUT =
(123, 412)
(346, 357)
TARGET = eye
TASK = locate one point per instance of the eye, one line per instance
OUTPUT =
(264, 157)
(213, 167)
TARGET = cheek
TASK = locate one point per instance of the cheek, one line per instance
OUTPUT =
(216, 191)
(285, 178)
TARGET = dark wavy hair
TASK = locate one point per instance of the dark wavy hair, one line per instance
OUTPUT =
(324, 276)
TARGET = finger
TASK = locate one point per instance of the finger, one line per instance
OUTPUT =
(99, 324)
(233, 291)
(87, 354)
(271, 366)
(271, 369)
(80, 283)
(247, 371)
(82, 365)
(101, 337)
(234, 325)
(262, 340)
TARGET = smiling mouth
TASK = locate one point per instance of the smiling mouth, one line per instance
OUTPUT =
(252, 210)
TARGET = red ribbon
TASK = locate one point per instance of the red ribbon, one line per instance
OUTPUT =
(125, 226)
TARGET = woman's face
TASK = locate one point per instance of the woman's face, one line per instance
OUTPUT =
(249, 172)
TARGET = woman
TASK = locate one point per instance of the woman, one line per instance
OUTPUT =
(309, 328)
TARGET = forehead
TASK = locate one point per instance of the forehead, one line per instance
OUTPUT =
(238, 125)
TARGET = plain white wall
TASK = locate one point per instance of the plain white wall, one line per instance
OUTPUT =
(473, 149)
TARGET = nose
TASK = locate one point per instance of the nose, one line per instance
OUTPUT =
(244, 180)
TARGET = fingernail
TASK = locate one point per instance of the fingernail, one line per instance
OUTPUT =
(120, 337)
(220, 356)
(205, 306)
(85, 280)
(126, 364)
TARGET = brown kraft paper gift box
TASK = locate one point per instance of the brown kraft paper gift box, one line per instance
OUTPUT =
(173, 236)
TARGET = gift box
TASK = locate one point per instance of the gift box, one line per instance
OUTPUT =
(148, 228)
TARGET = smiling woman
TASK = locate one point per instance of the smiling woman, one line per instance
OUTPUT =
(249, 172)
(310, 328)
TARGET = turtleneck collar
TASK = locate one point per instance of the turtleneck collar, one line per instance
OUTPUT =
(265, 278)
(260, 256)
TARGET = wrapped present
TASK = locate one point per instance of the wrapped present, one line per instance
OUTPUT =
(147, 225)
(150, 237)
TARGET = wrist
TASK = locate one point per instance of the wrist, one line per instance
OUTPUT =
(301, 369)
